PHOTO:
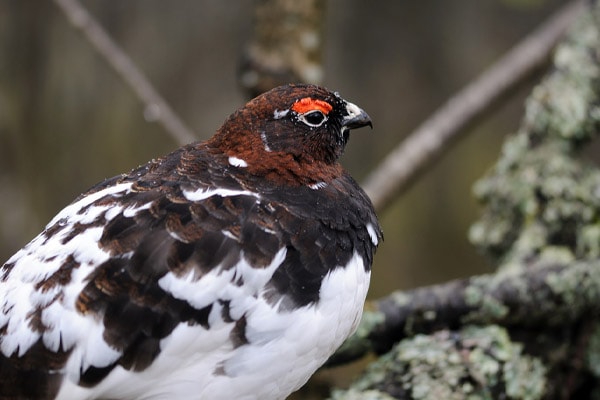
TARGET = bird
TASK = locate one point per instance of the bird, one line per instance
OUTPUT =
(231, 268)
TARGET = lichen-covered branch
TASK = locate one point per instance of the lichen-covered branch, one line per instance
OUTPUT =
(473, 363)
(531, 330)
(543, 296)
(542, 199)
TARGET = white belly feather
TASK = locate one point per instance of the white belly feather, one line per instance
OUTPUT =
(285, 348)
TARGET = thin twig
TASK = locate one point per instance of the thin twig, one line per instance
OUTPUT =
(156, 108)
(432, 139)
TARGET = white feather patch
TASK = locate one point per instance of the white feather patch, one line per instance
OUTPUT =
(237, 162)
(219, 284)
(201, 194)
(263, 138)
(41, 258)
(318, 185)
(353, 110)
(70, 211)
(280, 114)
(372, 234)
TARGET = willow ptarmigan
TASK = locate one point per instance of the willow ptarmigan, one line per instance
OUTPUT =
(228, 269)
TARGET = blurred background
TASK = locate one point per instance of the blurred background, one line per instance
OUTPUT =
(68, 121)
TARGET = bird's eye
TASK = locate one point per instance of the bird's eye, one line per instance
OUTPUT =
(313, 118)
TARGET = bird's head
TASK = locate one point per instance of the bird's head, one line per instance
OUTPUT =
(290, 128)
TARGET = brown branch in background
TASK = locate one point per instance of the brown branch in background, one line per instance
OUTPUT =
(156, 108)
(286, 45)
(432, 139)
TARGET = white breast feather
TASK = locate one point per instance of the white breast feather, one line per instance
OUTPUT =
(256, 371)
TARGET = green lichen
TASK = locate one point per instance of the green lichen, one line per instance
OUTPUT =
(589, 241)
(573, 113)
(474, 295)
(524, 378)
(400, 299)
(474, 363)
(576, 287)
(360, 395)
(541, 198)
(487, 306)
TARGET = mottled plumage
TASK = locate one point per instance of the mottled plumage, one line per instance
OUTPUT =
(230, 268)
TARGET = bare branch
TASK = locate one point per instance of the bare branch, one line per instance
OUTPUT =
(156, 108)
(432, 139)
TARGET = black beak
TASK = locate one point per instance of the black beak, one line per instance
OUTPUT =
(356, 117)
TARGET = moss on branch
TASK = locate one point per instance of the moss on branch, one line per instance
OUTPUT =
(472, 363)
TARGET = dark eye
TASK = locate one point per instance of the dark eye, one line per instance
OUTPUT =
(314, 118)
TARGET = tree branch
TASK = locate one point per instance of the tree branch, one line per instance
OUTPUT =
(156, 108)
(542, 296)
(475, 362)
(286, 45)
(433, 138)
